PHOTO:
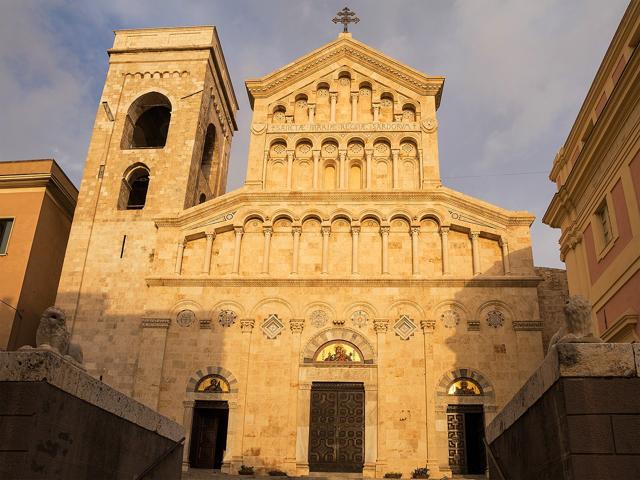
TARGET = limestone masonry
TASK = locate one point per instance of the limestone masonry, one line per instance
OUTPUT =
(342, 311)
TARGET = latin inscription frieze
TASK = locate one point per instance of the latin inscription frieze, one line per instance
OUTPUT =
(348, 126)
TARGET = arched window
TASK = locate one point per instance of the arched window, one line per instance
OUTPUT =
(338, 352)
(464, 386)
(135, 185)
(208, 150)
(202, 198)
(147, 122)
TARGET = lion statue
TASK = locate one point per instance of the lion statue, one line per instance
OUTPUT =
(52, 334)
(577, 328)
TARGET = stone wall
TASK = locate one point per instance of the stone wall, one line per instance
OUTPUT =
(577, 417)
(60, 423)
(553, 291)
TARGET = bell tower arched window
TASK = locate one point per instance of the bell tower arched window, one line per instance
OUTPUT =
(208, 151)
(147, 122)
(135, 185)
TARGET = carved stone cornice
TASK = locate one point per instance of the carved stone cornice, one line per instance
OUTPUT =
(528, 325)
(155, 322)
(380, 325)
(247, 324)
(383, 281)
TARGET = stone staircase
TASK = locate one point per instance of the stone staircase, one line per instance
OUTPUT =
(205, 474)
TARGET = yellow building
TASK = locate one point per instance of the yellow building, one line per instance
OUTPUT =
(342, 311)
(36, 208)
(597, 206)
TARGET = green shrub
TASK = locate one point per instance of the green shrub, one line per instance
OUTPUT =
(245, 470)
(393, 475)
(420, 472)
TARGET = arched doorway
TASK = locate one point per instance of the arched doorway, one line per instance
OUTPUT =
(466, 394)
(211, 393)
(338, 384)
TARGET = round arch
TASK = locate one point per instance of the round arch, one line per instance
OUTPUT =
(342, 333)
(462, 373)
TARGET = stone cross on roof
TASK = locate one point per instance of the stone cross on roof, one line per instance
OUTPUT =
(345, 17)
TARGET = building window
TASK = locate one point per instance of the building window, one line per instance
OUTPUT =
(602, 213)
(5, 232)
(135, 184)
(147, 122)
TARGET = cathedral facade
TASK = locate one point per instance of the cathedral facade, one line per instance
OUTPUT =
(342, 311)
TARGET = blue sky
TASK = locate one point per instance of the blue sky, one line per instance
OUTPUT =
(516, 73)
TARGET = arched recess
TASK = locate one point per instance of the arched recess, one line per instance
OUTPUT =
(332, 334)
(147, 122)
(208, 153)
(310, 255)
(134, 187)
(386, 107)
(300, 110)
(212, 370)
(322, 103)
(277, 166)
(461, 373)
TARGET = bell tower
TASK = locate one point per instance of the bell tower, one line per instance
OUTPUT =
(160, 144)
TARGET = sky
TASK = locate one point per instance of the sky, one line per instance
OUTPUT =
(517, 72)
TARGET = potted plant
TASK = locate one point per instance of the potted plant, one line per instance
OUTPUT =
(420, 472)
(245, 470)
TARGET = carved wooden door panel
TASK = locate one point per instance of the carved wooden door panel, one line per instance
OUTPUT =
(456, 440)
(336, 430)
(206, 437)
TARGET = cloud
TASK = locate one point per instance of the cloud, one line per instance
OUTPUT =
(517, 72)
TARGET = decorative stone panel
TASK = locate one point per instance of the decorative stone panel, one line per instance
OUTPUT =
(528, 325)
(319, 318)
(495, 318)
(404, 327)
(473, 325)
(185, 318)
(450, 318)
(272, 326)
(360, 318)
(227, 317)
(156, 322)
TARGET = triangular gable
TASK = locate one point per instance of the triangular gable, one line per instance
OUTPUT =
(345, 46)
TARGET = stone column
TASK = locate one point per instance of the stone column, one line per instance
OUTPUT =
(354, 106)
(369, 156)
(428, 327)
(415, 259)
(206, 265)
(343, 162)
(265, 161)
(381, 325)
(326, 231)
(395, 153)
(246, 326)
(179, 255)
(312, 112)
(289, 169)
(376, 112)
(355, 234)
(420, 168)
(296, 248)
(474, 252)
(384, 231)
(316, 168)
(187, 423)
(444, 237)
(296, 325)
(505, 256)
(236, 252)
(267, 247)
(334, 97)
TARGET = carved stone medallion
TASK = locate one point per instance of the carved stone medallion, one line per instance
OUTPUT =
(450, 319)
(185, 318)
(319, 318)
(359, 318)
(227, 317)
(495, 318)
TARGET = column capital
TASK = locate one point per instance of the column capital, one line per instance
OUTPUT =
(474, 235)
(355, 95)
(368, 152)
(384, 230)
(444, 230)
(316, 154)
(311, 106)
(428, 326)
(247, 324)
(375, 104)
(333, 95)
(342, 154)
(238, 230)
(267, 230)
(290, 154)
(395, 152)
(503, 242)
(415, 230)
(380, 325)
(296, 230)
(210, 235)
(296, 325)
(355, 229)
(326, 230)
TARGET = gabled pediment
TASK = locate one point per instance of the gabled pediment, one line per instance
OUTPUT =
(345, 47)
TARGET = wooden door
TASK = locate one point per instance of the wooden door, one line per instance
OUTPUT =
(206, 426)
(336, 431)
